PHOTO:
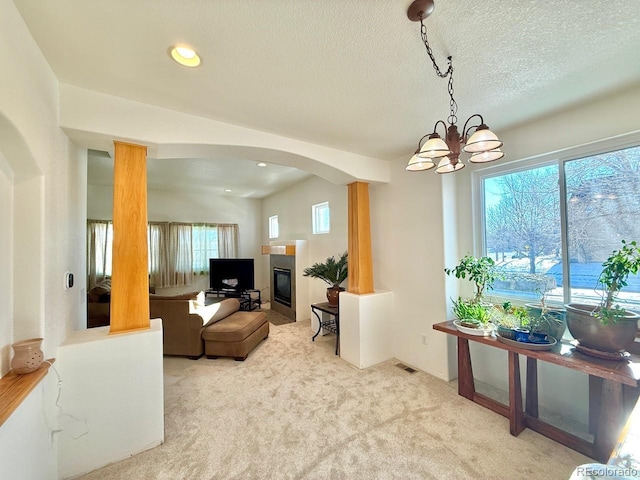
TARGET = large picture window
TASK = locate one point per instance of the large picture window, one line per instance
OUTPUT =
(550, 226)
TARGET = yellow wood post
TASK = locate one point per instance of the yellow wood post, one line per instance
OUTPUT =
(360, 263)
(130, 271)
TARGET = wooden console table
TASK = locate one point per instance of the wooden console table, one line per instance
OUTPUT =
(609, 383)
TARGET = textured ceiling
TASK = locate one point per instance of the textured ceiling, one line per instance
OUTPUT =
(348, 74)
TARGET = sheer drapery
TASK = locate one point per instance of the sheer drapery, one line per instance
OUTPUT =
(205, 246)
(227, 240)
(99, 240)
(170, 259)
(177, 251)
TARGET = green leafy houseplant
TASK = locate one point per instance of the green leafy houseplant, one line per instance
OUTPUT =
(471, 314)
(481, 271)
(607, 327)
(614, 276)
(333, 272)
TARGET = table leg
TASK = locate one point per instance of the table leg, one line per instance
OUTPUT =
(532, 388)
(313, 339)
(610, 420)
(595, 391)
(466, 387)
(516, 415)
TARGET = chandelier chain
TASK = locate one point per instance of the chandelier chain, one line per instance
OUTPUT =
(423, 33)
(453, 106)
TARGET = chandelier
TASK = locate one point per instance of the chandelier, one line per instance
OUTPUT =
(476, 138)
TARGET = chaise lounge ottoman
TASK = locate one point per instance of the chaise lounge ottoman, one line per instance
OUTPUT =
(236, 334)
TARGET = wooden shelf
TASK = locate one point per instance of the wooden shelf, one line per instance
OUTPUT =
(14, 389)
(289, 250)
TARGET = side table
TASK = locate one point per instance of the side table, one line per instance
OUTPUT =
(329, 319)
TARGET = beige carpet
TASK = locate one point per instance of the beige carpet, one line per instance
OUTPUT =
(294, 410)
(275, 318)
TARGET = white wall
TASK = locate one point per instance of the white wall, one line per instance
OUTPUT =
(112, 398)
(293, 207)
(38, 187)
(408, 258)
(25, 438)
(166, 206)
(6, 264)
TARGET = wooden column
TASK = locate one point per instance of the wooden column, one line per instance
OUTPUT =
(130, 271)
(360, 264)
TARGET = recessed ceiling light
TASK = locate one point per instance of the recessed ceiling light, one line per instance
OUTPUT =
(262, 164)
(185, 56)
(227, 189)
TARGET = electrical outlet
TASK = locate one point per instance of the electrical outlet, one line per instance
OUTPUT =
(424, 339)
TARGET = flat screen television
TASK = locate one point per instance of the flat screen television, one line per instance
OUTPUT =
(231, 274)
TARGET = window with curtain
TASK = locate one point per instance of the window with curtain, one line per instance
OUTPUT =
(177, 251)
(205, 246)
(99, 247)
(550, 226)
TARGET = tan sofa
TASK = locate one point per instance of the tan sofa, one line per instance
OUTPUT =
(236, 334)
(191, 328)
(183, 317)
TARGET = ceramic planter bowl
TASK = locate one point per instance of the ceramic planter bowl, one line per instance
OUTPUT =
(28, 356)
(592, 333)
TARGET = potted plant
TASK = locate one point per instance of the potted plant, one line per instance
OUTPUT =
(508, 319)
(473, 317)
(607, 327)
(553, 315)
(481, 271)
(333, 272)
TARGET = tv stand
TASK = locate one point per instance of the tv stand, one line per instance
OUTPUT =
(249, 299)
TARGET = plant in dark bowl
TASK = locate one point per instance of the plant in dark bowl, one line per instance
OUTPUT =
(333, 272)
(607, 327)
(553, 315)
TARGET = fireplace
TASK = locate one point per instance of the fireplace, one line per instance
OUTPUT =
(282, 286)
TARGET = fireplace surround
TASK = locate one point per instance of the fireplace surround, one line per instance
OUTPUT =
(291, 256)
(282, 286)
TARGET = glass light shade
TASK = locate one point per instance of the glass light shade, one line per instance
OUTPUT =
(417, 164)
(435, 147)
(445, 166)
(482, 141)
(485, 157)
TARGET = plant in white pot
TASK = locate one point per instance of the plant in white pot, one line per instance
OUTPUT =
(333, 272)
(608, 327)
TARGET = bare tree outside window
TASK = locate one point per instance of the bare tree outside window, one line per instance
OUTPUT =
(522, 224)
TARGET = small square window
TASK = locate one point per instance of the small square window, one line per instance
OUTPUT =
(274, 229)
(321, 218)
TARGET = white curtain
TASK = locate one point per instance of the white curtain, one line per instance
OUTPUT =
(228, 240)
(99, 242)
(205, 246)
(170, 259)
(176, 250)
